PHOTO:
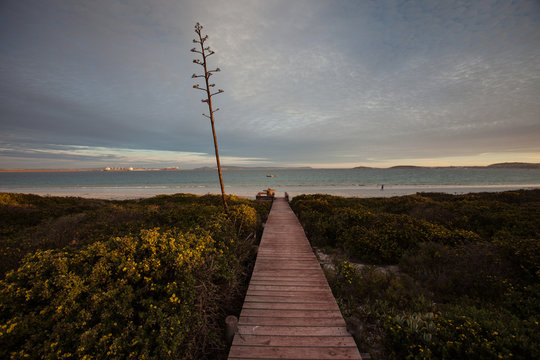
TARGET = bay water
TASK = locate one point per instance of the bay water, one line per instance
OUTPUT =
(366, 182)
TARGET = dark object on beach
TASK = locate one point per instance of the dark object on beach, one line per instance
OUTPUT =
(206, 52)
(266, 195)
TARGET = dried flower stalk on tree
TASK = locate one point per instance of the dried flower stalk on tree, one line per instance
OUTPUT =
(205, 52)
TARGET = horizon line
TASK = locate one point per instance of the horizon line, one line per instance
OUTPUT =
(224, 167)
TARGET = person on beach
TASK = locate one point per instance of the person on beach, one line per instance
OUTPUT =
(382, 187)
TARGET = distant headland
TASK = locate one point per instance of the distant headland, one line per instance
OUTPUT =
(506, 165)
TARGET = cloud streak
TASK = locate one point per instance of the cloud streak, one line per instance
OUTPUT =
(73, 156)
(308, 82)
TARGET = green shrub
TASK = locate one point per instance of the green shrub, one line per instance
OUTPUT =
(383, 238)
(372, 237)
(370, 285)
(462, 332)
(368, 294)
(475, 270)
(524, 254)
(469, 285)
(400, 310)
(132, 297)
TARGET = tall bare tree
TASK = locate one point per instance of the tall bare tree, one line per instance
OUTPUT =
(205, 52)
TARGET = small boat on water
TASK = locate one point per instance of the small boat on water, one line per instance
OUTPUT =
(270, 175)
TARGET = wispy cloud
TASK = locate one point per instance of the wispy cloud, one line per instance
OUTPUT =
(305, 81)
(75, 156)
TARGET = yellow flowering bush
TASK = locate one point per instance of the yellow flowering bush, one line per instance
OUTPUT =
(244, 218)
(30, 222)
(123, 298)
(158, 287)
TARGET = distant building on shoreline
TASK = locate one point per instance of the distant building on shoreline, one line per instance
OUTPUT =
(140, 169)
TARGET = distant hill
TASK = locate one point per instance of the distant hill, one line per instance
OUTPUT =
(515, 165)
(393, 167)
(506, 165)
(408, 167)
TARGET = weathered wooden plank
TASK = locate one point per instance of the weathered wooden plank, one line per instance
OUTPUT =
(285, 299)
(285, 282)
(279, 282)
(291, 313)
(292, 330)
(287, 288)
(284, 277)
(298, 341)
(290, 306)
(284, 285)
(291, 321)
(268, 352)
(316, 272)
(298, 294)
(295, 259)
(287, 267)
(289, 257)
(292, 273)
(276, 253)
(289, 261)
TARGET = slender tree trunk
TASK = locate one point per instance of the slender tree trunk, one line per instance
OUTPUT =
(205, 52)
(219, 169)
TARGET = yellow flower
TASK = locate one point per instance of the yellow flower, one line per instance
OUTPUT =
(173, 298)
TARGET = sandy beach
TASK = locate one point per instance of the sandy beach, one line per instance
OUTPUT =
(123, 193)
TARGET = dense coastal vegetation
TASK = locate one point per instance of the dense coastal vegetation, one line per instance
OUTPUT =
(139, 279)
(467, 280)
(426, 276)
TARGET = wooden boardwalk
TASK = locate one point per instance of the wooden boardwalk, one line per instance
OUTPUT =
(289, 311)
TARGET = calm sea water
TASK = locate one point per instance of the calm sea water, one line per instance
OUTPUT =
(349, 182)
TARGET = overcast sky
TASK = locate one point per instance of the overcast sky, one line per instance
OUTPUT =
(307, 83)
